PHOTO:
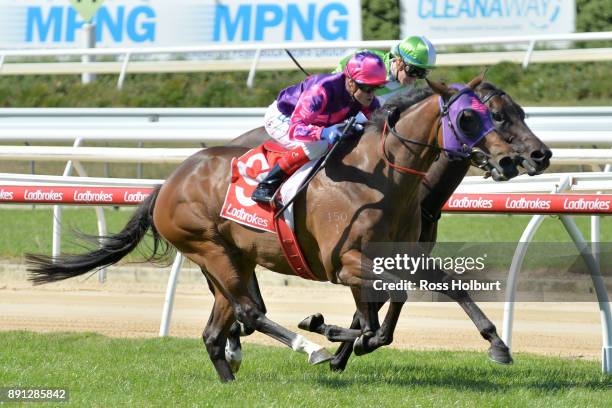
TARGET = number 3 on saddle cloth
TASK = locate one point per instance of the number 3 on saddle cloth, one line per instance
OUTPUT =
(247, 171)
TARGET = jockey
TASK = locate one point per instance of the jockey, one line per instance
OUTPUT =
(308, 117)
(407, 61)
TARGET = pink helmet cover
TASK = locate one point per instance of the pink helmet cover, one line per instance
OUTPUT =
(366, 68)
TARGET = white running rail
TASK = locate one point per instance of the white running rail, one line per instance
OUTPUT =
(162, 64)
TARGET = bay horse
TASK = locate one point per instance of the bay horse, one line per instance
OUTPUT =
(441, 180)
(372, 179)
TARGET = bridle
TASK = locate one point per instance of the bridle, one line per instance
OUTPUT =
(492, 94)
(444, 113)
(436, 147)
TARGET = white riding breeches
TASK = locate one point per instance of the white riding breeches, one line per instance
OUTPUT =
(277, 126)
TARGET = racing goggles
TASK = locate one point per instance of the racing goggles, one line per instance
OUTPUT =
(416, 72)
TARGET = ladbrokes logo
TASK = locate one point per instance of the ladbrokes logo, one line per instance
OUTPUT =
(586, 204)
(134, 197)
(40, 195)
(470, 203)
(6, 195)
(242, 215)
(527, 204)
(88, 196)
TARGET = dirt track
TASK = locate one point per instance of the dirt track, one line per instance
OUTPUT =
(129, 304)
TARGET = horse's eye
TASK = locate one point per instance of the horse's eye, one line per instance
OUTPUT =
(469, 123)
(497, 116)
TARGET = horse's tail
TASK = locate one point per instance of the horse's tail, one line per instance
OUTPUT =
(111, 248)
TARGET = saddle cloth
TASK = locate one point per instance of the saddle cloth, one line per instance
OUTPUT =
(247, 171)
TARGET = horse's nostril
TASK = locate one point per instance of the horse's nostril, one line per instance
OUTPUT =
(548, 154)
(509, 167)
(541, 158)
(537, 155)
(541, 155)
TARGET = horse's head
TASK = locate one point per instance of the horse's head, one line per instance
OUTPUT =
(509, 120)
(468, 130)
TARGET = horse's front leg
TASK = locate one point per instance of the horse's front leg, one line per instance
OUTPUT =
(498, 352)
(316, 324)
(357, 273)
(384, 335)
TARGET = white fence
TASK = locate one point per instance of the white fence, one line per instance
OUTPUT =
(586, 157)
(162, 63)
(556, 126)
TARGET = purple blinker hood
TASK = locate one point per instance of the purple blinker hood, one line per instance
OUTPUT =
(456, 144)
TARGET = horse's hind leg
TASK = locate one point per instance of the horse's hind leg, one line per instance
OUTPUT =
(215, 336)
(222, 271)
(256, 296)
(233, 348)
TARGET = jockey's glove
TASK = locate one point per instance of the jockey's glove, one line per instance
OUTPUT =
(332, 133)
(360, 118)
(335, 132)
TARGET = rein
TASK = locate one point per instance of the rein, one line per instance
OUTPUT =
(401, 169)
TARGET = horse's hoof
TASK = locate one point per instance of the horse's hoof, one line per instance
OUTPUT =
(234, 366)
(227, 378)
(500, 355)
(320, 356)
(312, 322)
(359, 346)
(336, 366)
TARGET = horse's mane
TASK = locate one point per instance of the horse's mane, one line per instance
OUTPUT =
(401, 102)
(487, 86)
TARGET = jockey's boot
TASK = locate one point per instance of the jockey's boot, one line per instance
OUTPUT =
(264, 193)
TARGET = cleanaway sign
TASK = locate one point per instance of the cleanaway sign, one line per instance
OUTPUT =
(142, 23)
(480, 18)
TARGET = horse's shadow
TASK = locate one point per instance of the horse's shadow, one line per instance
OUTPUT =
(460, 377)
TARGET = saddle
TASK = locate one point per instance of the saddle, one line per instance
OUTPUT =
(247, 171)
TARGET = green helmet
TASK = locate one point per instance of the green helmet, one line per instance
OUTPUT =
(418, 51)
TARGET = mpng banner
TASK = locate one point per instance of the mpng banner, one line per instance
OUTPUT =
(144, 23)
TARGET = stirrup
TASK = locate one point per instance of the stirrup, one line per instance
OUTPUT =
(263, 197)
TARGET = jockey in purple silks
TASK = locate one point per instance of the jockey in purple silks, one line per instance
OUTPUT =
(308, 118)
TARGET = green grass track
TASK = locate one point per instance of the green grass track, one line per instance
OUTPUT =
(106, 372)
